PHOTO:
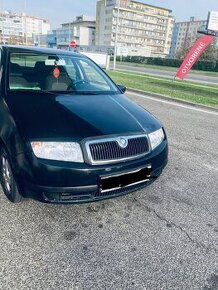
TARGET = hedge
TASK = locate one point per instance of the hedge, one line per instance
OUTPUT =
(199, 65)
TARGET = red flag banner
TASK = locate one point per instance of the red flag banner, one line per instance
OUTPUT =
(197, 49)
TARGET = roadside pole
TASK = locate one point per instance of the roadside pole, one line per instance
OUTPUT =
(116, 35)
(25, 9)
(69, 47)
(3, 32)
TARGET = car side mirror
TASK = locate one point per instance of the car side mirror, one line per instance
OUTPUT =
(122, 88)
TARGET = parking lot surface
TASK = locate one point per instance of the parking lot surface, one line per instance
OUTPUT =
(162, 237)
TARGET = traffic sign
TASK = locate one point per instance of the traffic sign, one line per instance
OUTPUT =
(212, 23)
(73, 44)
(122, 51)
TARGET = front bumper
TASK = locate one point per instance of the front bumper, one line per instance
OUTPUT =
(87, 183)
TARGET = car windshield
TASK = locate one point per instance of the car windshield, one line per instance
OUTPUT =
(57, 73)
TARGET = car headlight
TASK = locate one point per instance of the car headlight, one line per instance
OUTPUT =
(156, 138)
(61, 151)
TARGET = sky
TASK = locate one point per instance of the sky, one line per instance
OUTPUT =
(61, 11)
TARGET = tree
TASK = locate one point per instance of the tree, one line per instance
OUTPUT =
(210, 53)
(185, 48)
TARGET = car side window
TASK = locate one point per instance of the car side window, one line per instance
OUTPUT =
(71, 69)
(40, 72)
(22, 71)
(93, 76)
(53, 72)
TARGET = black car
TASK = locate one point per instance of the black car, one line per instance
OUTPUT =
(67, 132)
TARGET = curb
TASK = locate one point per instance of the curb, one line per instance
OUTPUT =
(167, 98)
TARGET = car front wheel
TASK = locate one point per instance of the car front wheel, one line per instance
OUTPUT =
(8, 181)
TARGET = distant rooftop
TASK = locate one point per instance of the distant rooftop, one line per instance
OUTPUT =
(23, 14)
(192, 19)
(82, 18)
(149, 5)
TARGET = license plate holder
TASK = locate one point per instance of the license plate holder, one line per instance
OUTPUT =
(125, 179)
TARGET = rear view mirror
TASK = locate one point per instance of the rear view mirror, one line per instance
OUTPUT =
(53, 62)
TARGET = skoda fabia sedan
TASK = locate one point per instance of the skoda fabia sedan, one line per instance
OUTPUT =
(67, 132)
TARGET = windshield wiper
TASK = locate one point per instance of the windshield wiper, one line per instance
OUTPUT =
(70, 92)
(83, 93)
(34, 91)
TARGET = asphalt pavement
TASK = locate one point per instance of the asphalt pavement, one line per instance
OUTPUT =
(162, 237)
(165, 73)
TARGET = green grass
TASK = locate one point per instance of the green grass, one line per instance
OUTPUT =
(168, 68)
(189, 91)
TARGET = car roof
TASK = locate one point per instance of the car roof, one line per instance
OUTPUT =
(19, 48)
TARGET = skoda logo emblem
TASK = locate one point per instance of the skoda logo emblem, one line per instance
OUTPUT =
(122, 142)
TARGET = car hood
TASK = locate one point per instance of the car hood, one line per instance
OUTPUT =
(42, 116)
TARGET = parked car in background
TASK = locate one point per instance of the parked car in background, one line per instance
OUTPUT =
(67, 132)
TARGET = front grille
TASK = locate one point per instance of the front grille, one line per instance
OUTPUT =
(109, 150)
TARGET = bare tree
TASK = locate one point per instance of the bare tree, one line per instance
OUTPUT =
(210, 53)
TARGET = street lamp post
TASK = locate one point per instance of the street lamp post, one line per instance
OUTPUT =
(69, 32)
(3, 32)
(25, 22)
(116, 35)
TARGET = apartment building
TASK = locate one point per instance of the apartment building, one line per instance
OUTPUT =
(20, 28)
(82, 31)
(143, 29)
(185, 34)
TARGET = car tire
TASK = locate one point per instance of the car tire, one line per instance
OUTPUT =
(8, 182)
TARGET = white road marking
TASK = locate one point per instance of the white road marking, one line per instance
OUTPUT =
(173, 104)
